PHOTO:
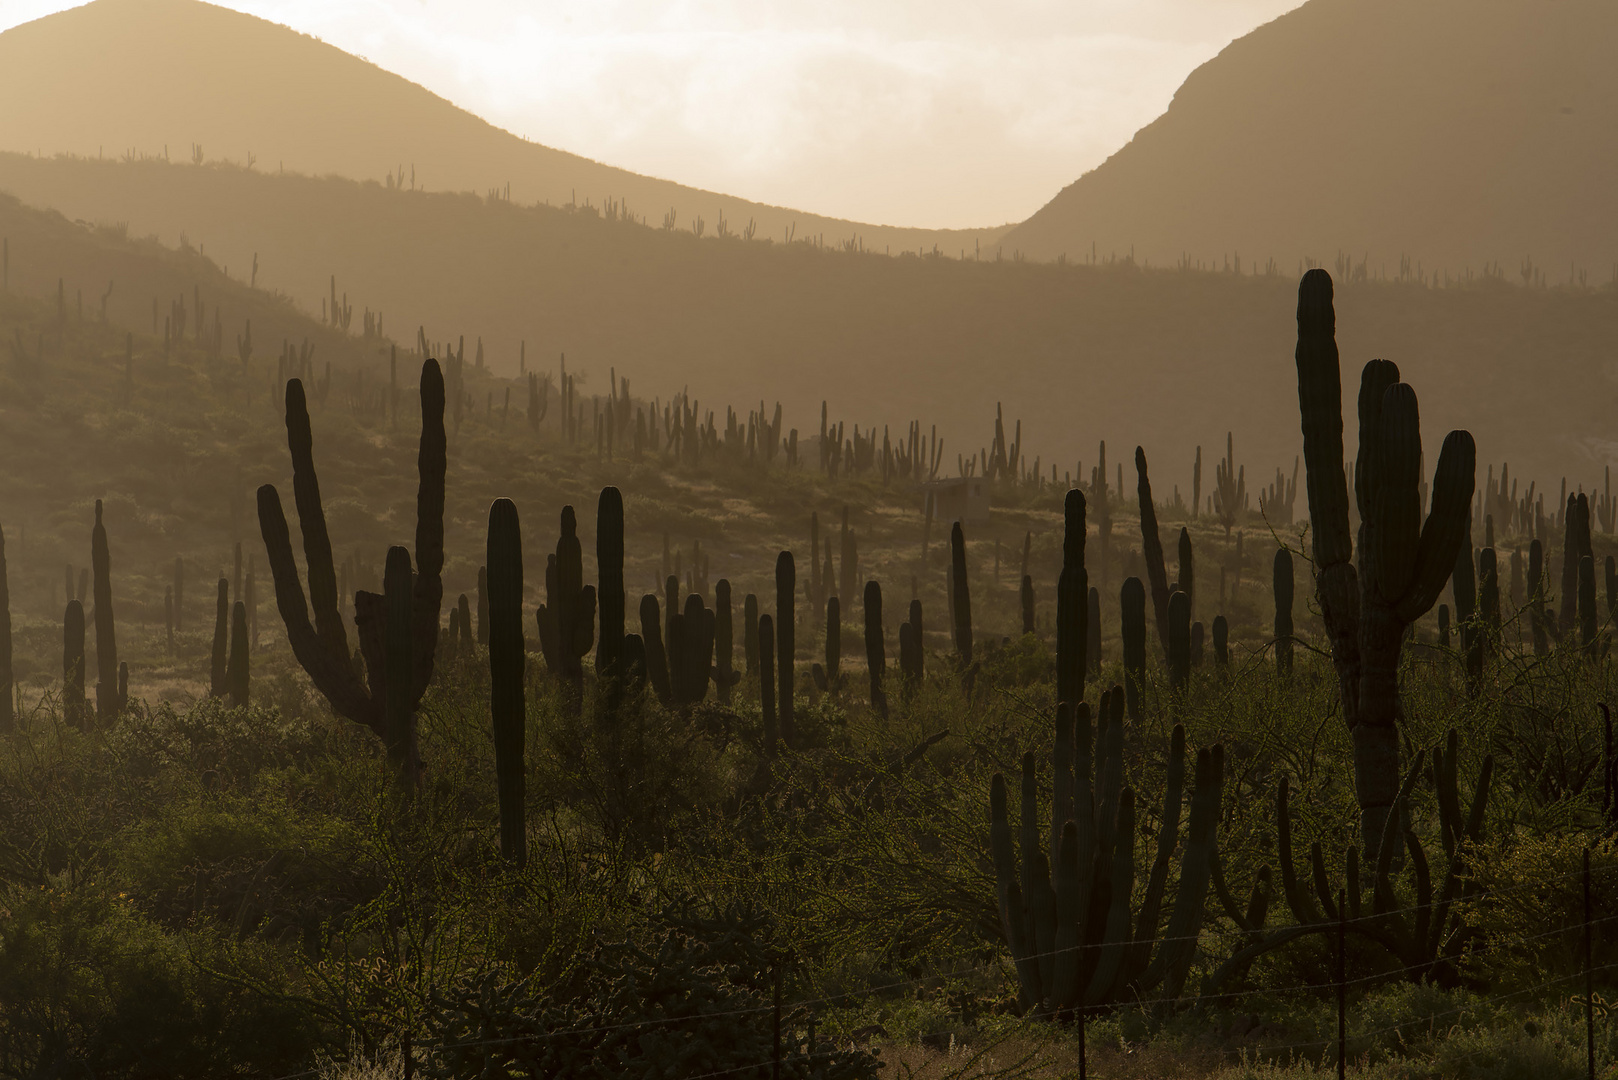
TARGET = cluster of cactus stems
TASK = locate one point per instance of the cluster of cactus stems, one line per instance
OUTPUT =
(1403, 561)
(398, 631)
(566, 622)
(1426, 937)
(1230, 488)
(1066, 908)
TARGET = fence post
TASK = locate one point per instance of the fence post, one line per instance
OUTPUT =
(1342, 984)
(1589, 990)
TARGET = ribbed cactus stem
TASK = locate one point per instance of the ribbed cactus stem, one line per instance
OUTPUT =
(507, 658)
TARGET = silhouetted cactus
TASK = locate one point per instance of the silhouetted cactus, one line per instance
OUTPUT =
(876, 657)
(1283, 589)
(1405, 560)
(1152, 550)
(567, 621)
(322, 648)
(1075, 941)
(73, 664)
(766, 682)
(108, 701)
(656, 656)
(1179, 640)
(690, 648)
(786, 598)
(1132, 626)
(238, 677)
(828, 678)
(1072, 603)
(507, 660)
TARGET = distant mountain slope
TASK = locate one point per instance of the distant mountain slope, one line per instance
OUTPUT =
(1166, 359)
(1457, 132)
(141, 75)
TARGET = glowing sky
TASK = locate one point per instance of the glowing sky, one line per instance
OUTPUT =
(906, 112)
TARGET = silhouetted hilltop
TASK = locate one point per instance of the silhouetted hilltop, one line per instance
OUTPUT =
(1165, 358)
(156, 77)
(1455, 132)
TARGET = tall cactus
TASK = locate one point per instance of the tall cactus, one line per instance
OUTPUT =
(237, 676)
(1179, 640)
(1152, 550)
(1405, 560)
(566, 622)
(785, 641)
(691, 637)
(109, 703)
(1074, 939)
(876, 657)
(652, 647)
(1283, 588)
(322, 647)
(1072, 603)
(1132, 626)
(829, 678)
(507, 655)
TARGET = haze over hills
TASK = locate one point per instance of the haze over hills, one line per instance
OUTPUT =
(1455, 132)
(1164, 358)
(155, 77)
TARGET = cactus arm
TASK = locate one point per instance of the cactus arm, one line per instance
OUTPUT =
(1084, 815)
(312, 523)
(1320, 401)
(1008, 894)
(1447, 527)
(1317, 864)
(1393, 526)
(1167, 838)
(1297, 899)
(1116, 941)
(1109, 774)
(1226, 898)
(1178, 946)
(1424, 898)
(333, 675)
(657, 661)
(1152, 549)
(431, 465)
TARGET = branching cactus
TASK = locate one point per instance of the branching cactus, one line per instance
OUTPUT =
(691, 638)
(1404, 561)
(322, 647)
(1075, 939)
(1426, 932)
(567, 622)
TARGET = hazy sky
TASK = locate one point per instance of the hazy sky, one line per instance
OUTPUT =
(905, 112)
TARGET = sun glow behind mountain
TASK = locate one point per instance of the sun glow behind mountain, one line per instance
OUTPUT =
(948, 114)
